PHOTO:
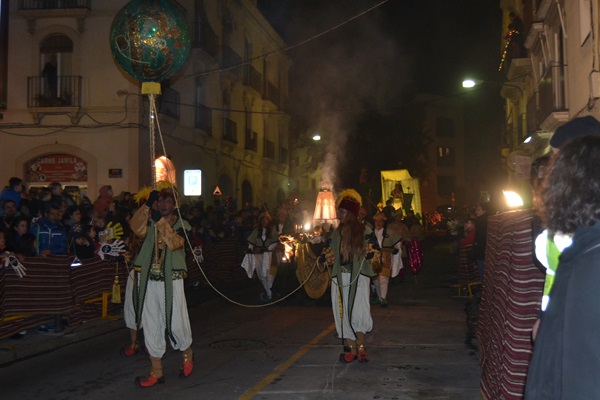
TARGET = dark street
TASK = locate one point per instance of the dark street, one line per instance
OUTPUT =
(284, 351)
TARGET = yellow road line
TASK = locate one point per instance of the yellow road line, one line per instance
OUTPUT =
(248, 394)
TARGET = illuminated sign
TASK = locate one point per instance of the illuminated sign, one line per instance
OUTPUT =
(192, 182)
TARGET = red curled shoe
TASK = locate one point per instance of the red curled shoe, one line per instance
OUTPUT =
(129, 351)
(187, 367)
(150, 381)
(363, 356)
(347, 357)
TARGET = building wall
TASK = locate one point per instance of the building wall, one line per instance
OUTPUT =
(432, 195)
(110, 129)
(102, 144)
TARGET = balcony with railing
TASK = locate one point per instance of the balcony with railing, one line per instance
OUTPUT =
(170, 103)
(253, 78)
(34, 9)
(45, 92)
(273, 94)
(269, 150)
(53, 4)
(283, 155)
(231, 60)
(229, 130)
(206, 39)
(204, 118)
(50, 96)
(251, 140)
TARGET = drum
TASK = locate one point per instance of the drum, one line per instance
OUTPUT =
(317, 276)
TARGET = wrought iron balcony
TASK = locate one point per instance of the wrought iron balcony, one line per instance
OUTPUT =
(251, 140)
(269, 149)
(231, 60)
(206, 39)
(35, 9)
(45, 92)
(53, 4)
(273, 94)
(253, 78)
(283, 155)
(170, 103)
(204, 118)
(229, 130)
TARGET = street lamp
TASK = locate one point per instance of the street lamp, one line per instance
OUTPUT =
(316, 137)
(469, 83)
(513, 199)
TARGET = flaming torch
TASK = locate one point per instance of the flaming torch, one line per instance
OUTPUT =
(289, 244)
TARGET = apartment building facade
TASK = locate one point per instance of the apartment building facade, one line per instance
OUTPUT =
(69, 114)
(555, 78)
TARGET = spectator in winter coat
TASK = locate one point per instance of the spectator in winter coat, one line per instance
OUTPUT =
(49, 233)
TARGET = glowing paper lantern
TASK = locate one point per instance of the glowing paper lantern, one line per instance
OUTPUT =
(325, 209)
(150, 39)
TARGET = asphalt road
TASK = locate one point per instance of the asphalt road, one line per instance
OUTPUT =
(285, 351)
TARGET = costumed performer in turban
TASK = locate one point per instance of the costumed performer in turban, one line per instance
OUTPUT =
(159, 301)
(351, 254)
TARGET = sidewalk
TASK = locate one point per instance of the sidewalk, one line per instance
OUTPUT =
(35, 343)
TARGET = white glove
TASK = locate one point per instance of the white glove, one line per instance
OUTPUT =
(10, 260)
(111, 249)
(198, 254)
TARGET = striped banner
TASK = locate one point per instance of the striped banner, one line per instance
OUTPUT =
(222, 264)
(510, 304)
(51, 286)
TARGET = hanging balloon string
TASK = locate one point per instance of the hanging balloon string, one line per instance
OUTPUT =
(152, 99)
(154, 122)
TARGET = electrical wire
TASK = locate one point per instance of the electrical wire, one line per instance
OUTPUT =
(155, 121)
(287, 48)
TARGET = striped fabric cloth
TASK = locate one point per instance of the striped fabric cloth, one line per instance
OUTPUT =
(467, 270)
(45, 289)
(52, 287)
(222, 264)
(510, 303)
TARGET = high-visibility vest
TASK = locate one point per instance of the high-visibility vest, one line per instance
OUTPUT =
(548, 249)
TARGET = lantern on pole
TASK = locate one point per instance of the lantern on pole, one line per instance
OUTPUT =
(325, 212)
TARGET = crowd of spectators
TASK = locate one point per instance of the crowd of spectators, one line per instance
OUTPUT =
(53, 221)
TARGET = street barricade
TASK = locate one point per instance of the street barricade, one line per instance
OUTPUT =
(53, 286)
(510, 304)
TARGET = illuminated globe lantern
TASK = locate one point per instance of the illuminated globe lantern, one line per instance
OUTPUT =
(150, 39)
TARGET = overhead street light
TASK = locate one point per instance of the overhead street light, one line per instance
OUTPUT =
(469, 83)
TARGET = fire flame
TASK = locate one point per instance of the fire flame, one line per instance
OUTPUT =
(289, 242)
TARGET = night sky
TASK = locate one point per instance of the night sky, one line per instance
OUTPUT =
(426, 46)
(383, 58)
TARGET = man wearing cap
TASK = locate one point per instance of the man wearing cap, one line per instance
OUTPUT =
(159, 300)
(549, 245)
(350, 255)
(575, 128)
(388, 261)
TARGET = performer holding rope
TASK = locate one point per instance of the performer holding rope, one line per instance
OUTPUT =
(351, 254)
(159, 300)
(259, 257)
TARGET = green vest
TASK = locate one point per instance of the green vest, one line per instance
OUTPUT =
(174, 262)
